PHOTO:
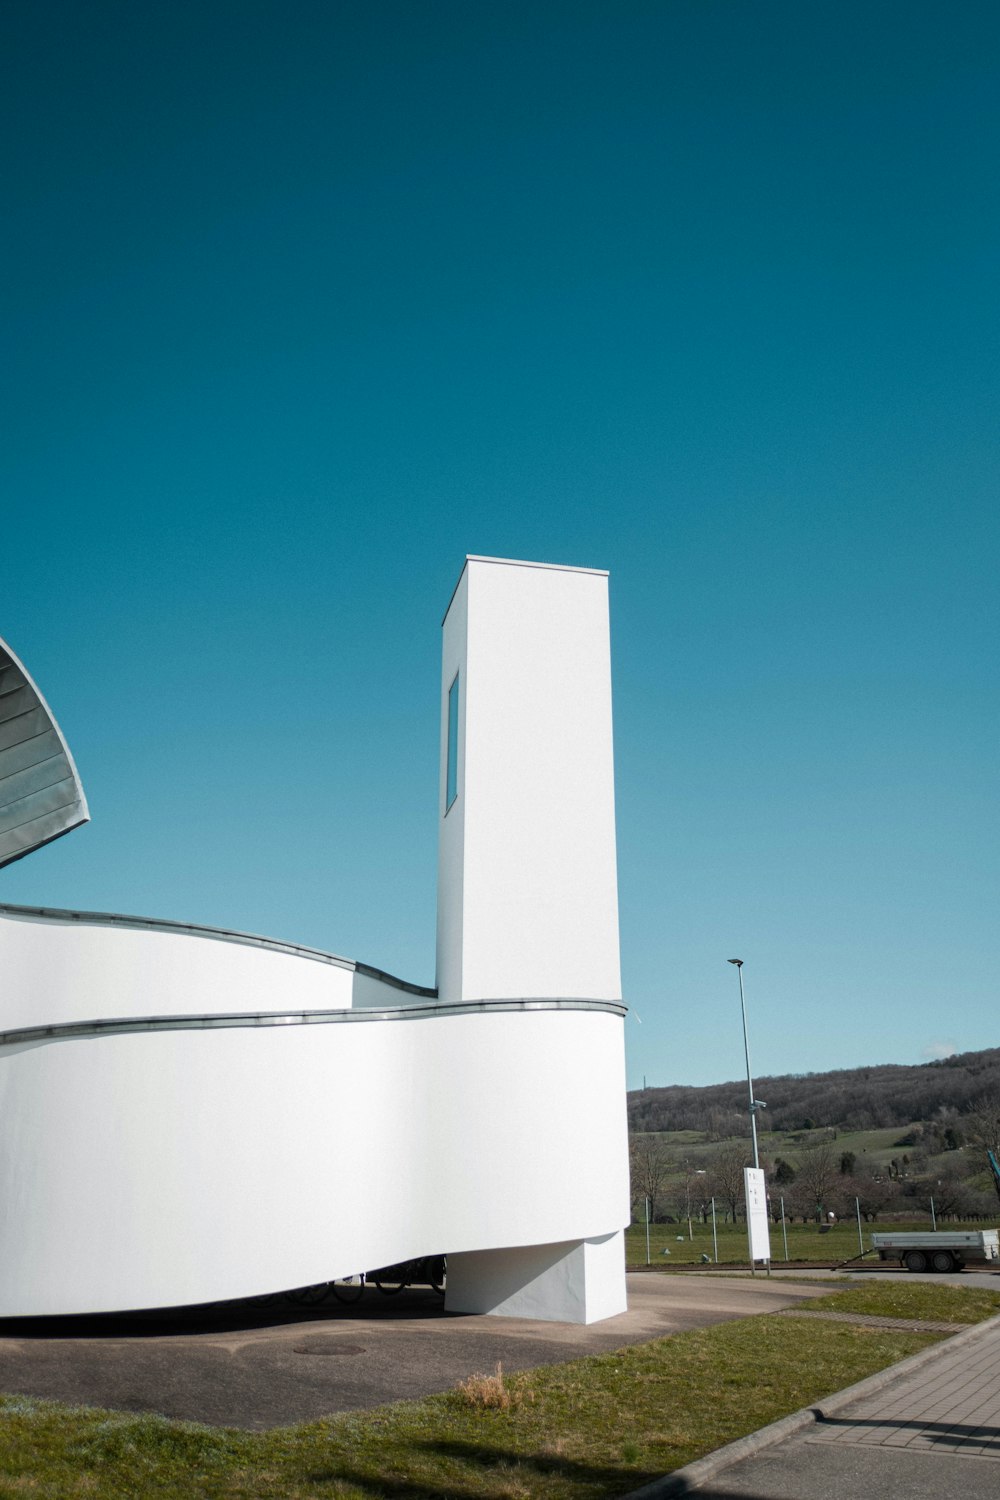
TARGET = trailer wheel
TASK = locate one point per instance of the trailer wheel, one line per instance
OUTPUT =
(942, 1260)
(915, 1260)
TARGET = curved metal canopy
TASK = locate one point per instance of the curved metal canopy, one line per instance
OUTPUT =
(40, 792)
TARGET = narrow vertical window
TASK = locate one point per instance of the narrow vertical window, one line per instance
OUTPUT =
(452, 778)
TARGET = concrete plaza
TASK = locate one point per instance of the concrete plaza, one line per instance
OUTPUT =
(239, 1366)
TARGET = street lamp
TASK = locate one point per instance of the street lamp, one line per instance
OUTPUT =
(755, 1104)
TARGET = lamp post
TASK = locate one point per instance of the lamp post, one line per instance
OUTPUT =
(755, 1104)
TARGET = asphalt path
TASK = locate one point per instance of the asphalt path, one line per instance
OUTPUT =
(238, 1366)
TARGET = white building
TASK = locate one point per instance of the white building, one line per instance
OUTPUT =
(193, 1115)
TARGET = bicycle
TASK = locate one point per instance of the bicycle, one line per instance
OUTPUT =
(426, 1270)
(348, 1288)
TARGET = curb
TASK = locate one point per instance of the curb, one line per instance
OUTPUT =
(693, 1475)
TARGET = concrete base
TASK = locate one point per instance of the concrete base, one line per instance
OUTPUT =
(575, 1281)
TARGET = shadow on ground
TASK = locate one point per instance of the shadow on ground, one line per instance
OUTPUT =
(416, 1304)
(507, 1466)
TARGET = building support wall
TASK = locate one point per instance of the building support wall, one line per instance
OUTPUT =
(577, 1281)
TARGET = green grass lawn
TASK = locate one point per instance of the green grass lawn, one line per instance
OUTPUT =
(595, 1427)
(805, 1242)
(918, 1299)
(871, 1148)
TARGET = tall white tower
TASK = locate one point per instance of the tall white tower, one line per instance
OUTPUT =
(527, 887)
(527, 883)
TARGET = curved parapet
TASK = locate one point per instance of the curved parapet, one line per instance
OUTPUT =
(65, 966)
(41, 796)
(274, 1126)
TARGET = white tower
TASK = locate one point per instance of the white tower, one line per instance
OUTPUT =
(527, 882)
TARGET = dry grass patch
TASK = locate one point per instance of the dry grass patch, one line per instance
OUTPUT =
(491, 1392)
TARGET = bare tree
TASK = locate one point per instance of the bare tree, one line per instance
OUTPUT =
(817, 1172)
(874, 1194)
(948, 1193)
(693, 1195)
(725, 1175)
(649, 1168)
(982, 1127)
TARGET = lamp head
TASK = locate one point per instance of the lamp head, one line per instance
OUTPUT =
(737, 961)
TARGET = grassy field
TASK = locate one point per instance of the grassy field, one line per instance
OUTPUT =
(872, 1148)
(877, 1146)
(805, 1242)
(595, 1427)
(920, 1299)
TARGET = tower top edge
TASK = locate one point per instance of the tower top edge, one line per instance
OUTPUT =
(517, 562)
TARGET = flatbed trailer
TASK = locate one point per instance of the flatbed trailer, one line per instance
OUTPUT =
(939, 1250)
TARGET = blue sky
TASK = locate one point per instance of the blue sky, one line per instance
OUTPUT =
(303, 302)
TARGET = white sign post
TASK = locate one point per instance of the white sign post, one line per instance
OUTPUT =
(758, 1228)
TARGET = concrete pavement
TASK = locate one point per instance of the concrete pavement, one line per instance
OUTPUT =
(926, 1429)
(234, 1365)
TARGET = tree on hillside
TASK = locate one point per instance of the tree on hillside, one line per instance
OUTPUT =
(982, 1128)
(649, 1168)
(889, 1095)
(693, 1195)
(818, 1170)
(725, 1175)
(874, 1194)
(948, 1192)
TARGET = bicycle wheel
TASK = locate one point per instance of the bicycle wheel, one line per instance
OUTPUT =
(391, 1280)
(309, 1296)
(348, 1288)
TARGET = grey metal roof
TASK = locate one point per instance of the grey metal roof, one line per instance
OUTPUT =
(40, 792)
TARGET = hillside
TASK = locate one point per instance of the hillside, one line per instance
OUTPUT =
(849, 1099)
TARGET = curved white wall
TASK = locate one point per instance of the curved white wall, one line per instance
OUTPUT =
(81, 966)
(168, 1167)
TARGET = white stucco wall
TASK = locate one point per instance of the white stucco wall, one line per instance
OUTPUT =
(528, 899)
(163, 1168)
(68, 968)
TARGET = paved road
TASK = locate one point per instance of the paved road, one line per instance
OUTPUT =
(243, 1367)
(930, 1434)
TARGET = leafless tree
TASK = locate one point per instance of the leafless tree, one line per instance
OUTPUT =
(874, 1194)
(817, 1171)
(948, 1193)
(982, 1127)
(693, 1194)
(649, 1167)
(725, 1175)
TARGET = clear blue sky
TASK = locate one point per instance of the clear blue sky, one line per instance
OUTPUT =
(304, 301)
